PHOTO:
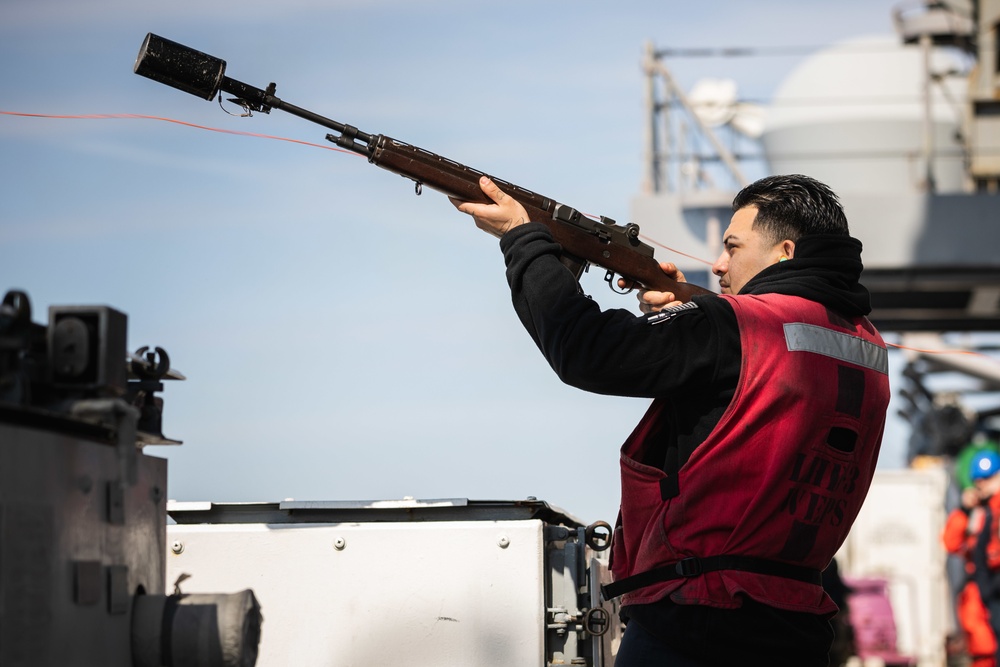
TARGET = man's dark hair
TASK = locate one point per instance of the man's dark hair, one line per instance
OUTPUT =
(793, 206)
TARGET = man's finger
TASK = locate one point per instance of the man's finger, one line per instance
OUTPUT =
(491, 189)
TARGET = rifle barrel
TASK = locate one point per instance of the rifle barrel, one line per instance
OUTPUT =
(606, 244)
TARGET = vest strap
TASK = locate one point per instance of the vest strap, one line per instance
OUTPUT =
(693, 567)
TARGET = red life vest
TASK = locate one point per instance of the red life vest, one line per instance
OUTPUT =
(961, 532)
(781, 477)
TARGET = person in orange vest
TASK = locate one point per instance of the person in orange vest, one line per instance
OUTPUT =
(971, 530)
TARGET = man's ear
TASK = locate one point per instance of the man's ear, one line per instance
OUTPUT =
(788, 248)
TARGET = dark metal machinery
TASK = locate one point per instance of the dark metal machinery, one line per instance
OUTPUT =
(83, 509)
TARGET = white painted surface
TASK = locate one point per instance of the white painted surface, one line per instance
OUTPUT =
(898, 536)
(415, 594)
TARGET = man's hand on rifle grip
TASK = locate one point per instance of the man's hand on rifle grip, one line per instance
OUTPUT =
(498, 218)
(651, 301)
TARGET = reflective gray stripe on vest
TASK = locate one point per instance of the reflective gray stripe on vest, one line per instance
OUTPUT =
(811, 338)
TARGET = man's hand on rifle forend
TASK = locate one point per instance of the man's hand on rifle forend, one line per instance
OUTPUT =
(498, 218)
(651, 301)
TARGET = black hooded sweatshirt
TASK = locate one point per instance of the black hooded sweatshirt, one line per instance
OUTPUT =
(692, 357)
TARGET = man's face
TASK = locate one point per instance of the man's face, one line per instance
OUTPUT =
(988, 486)
(745, 252)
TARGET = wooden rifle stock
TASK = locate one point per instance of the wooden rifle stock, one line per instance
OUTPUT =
(614, 247)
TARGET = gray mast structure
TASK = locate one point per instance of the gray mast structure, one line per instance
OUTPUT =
(906, 130)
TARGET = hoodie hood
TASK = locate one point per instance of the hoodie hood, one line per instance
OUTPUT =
(826, 268)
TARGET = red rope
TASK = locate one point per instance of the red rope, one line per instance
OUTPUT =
(917, 349)
(674, 250)
(106, 116)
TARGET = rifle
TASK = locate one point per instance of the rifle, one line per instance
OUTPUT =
(584, 241)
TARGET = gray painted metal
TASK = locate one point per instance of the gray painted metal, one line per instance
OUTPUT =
(69, 567)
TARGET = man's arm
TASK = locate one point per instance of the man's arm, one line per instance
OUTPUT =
(953, 536)
(606, 352)
(506, 213)
(611, 351)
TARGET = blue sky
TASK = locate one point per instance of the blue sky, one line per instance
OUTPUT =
(343, 339)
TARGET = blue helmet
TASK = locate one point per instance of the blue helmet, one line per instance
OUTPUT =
(984, 464)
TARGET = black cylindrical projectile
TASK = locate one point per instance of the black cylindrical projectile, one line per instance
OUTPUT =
(180, 66)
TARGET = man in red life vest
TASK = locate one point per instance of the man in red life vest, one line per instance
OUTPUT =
(744, 477)
(971, 531)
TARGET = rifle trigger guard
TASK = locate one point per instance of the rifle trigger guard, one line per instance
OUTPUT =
(609, 278)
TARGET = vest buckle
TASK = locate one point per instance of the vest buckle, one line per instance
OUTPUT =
(689, 567)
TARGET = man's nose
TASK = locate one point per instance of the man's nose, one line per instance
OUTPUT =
(721, 266)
